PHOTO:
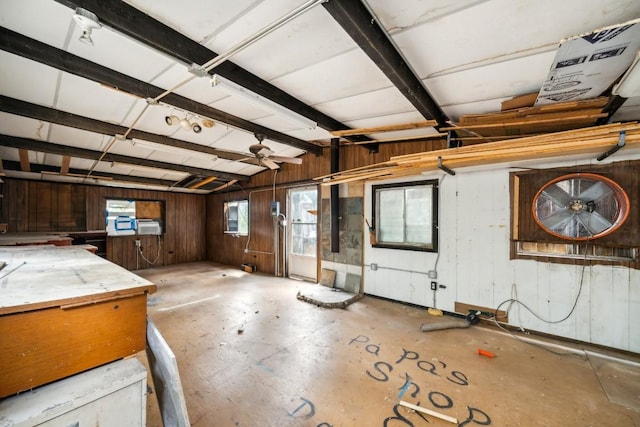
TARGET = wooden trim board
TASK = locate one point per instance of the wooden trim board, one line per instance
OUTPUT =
(464, 308)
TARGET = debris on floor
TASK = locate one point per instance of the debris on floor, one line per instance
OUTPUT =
(323, 296)
(486, 353)
(470, 319)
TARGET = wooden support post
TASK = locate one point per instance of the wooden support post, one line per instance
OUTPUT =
(335, 197)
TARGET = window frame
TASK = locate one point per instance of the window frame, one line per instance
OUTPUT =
(530, 242)
(225, 224)
(426, 247)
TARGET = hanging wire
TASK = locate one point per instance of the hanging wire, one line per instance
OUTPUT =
(515, 300)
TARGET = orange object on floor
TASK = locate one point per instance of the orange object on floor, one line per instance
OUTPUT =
(485, 353)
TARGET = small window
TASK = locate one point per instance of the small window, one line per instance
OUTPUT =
(405, 216)
(236, 217)
(121, 217)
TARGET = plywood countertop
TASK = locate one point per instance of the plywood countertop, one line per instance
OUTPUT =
(37, 277)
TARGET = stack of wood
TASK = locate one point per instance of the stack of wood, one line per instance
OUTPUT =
(526, 121)
(592, 140)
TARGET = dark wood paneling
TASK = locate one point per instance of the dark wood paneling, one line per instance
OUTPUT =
(46, 207)
(229, 250)
(624, 173)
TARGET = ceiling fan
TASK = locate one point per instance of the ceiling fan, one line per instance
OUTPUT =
(266, 157)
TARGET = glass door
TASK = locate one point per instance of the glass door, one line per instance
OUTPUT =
(302, 257)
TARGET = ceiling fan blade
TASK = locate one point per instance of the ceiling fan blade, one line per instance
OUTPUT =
(557, 219)
(557, 195)
(269, 163)
(595, 192)
(292, 160)
(266, 151)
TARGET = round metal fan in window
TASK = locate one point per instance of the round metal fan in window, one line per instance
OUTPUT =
(580, 206)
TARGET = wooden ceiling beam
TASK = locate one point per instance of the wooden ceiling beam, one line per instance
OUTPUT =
(39, 112)
(18, 44)
(153, 33)
(203, 182)
(65, 150)
(223, 186)
(356, 20)
(53, 170)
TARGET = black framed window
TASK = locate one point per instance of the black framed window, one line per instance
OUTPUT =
(405, 215)
(236, 217)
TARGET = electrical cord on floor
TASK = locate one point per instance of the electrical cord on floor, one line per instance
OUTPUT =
(157, 256)
(515, 300)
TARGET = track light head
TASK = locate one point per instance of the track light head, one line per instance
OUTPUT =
(171, 120)
(186, 125)
(87, 21)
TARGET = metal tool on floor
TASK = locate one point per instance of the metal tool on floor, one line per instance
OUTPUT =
(469, 319)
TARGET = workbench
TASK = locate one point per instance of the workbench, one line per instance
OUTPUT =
(64, 311)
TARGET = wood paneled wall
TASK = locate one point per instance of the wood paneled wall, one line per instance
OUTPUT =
(35, 206)
(227, 249)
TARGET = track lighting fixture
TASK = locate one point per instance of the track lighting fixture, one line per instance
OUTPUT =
(184, 123)
(87, 21)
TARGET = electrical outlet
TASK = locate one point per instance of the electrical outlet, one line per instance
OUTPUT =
(434, 286)
(137, 243)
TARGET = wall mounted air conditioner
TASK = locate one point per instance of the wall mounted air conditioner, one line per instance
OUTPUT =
(148, 226)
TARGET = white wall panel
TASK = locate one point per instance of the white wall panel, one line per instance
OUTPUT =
(474, 266)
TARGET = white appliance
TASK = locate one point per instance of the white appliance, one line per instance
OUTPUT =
(148, 226)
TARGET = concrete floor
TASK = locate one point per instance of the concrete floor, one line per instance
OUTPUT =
(251, 354)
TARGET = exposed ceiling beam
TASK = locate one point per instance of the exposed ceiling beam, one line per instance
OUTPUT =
(36, 168)
(29, 48)
(365, 30)
(39, 112)
(65, 150)
(143, 28)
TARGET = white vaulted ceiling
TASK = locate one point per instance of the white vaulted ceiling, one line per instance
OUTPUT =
(469, 55)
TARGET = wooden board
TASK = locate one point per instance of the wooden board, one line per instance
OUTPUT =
(328, 277)
(166, 379)
(46, 345)
(526, 100)
(463, 308)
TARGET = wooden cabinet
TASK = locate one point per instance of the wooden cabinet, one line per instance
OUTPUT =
(64, 311)
(111, 395)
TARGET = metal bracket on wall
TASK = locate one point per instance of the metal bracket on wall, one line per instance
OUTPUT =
(443, 167)
(615, 148)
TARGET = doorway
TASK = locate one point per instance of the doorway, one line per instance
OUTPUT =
(302, 257)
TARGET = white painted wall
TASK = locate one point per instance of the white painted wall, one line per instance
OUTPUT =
(474, 266)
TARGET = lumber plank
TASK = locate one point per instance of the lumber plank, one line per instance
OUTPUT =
(587, 140)
(406, 139)
(388, 128)
(530, 121)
